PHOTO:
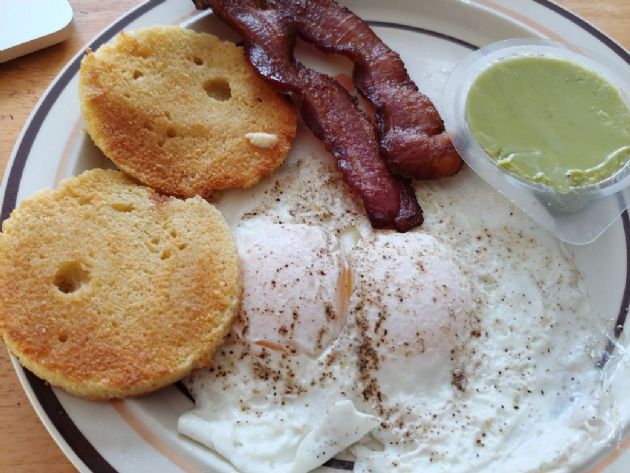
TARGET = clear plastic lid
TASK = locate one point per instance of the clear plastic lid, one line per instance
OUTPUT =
(583, 213)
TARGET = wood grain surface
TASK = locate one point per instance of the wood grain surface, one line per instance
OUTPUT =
(25, 446)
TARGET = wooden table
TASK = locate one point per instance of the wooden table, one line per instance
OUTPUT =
(24, 444)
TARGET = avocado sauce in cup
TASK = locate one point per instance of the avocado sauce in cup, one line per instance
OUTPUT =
(548, 126)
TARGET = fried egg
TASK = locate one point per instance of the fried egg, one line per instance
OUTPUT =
(262, 389)
(463, 345)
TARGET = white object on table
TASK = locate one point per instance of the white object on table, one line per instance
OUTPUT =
(29, 25)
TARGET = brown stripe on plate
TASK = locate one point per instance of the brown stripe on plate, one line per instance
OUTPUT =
(523, 19)
(67, 151)
(149, 437)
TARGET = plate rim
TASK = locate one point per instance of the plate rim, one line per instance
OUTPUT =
(75, 446)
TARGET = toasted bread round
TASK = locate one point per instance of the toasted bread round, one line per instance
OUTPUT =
(183, 112)
(108, 289)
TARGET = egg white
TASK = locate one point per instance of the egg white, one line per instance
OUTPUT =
(465, 345)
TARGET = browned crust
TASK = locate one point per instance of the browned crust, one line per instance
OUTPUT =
(164, 129)
(149, 312)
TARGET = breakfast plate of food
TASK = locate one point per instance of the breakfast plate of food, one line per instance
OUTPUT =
(263, 235)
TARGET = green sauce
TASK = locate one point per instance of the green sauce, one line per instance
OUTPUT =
(551, 121)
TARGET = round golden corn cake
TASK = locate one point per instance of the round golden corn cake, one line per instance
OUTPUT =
(183, 112)
(109, 289)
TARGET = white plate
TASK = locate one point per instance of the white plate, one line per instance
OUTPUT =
(431, 36)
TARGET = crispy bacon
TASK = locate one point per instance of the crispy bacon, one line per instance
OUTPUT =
(412, 133)
(326, 108)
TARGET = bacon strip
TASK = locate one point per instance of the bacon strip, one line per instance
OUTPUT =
(326, 108)
(412, 133)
